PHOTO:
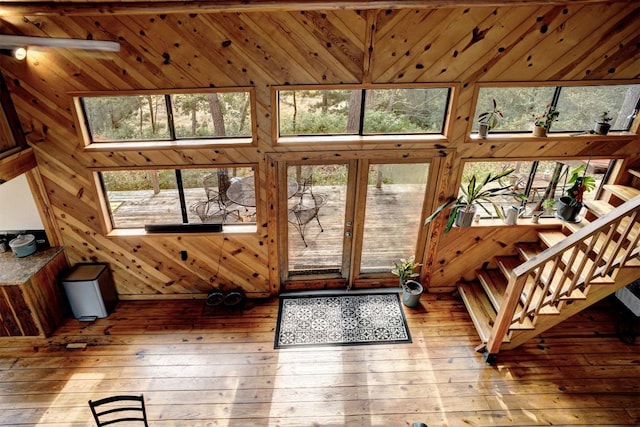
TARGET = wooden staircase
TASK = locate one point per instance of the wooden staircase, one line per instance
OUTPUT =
(558, 276)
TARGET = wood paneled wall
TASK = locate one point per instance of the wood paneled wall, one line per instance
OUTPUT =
(346, 43)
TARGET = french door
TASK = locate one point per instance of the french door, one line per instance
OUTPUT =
(347, 222)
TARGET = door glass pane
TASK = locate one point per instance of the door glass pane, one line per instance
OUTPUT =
(316, 214)
(395, 194)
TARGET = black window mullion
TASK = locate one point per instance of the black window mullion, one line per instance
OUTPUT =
(171, 124)
(363, 99)
(531, 178)
(183, 202)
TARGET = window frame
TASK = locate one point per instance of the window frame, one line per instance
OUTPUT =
(108, 222)
(472, 136)
(84, 130)
(395, 138)
(597, 192)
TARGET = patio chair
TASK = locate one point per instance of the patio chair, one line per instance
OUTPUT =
(119, 409)
(217, 208)
(304, 210)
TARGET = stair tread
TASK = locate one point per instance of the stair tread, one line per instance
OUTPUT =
(598, 208)
(494, 284)
(480, 309)
(528, 251)
(531, 249)
(575, 226)
(634, 172)
(624, 192)
(551, 238)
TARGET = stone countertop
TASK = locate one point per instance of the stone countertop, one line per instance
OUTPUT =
(16, 271)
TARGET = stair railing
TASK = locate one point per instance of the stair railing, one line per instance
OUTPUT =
(599, 248)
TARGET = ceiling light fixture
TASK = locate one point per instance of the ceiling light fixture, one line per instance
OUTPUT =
(18, 53)
(13, 42)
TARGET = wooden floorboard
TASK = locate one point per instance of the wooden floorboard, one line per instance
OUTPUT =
(222, 370)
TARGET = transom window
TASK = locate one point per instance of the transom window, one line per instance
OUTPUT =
(542, 182)
(167, 117)
(137, 198)
(580, 107)
(362, 111)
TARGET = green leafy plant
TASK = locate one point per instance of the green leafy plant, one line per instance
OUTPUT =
(604, 117)
(490, 118)
(579, 183)
(478, 192)
(404, 269)
(545, 119)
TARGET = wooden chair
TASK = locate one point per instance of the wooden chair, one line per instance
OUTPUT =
(119, 409)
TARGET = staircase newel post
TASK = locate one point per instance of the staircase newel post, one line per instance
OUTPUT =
(505, 315)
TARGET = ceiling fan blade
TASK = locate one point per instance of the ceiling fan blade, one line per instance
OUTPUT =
(11, 41)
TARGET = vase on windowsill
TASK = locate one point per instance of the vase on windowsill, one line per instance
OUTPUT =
(540, 131)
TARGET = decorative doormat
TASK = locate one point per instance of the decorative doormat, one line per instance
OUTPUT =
(341, 320)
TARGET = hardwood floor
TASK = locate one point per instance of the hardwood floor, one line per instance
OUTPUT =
(222, 370)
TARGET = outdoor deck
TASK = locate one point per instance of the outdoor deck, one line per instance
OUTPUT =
(390, 209)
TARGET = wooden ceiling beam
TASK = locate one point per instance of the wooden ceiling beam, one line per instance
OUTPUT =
(93, 7)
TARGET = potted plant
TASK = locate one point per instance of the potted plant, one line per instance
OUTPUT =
(542, 122)
(411, 290)
(570, 205)
(477, 193)
(488, 120)
(547, 206)
(602, 125)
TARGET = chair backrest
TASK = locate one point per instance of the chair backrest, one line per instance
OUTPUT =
(119, 409)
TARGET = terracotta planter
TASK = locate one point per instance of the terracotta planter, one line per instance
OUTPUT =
(540, 131)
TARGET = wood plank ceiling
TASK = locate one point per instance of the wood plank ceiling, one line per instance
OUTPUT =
(165, 49)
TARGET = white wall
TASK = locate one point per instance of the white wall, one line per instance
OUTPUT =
(17, 208)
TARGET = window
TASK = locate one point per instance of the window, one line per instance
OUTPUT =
(167, 117)
(538, 180)
(136, 198)
(579, 106)
(362, 111)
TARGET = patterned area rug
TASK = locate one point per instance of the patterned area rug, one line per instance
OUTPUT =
(341, 320)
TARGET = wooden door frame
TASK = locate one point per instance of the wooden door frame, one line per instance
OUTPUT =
(276, 177)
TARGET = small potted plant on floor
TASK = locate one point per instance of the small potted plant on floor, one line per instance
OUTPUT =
(477, 192)
(570, 205)
(411, 290)
(602, 125)
(542, 122)
(488, 120)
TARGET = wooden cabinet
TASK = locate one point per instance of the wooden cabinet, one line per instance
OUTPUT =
(32, 301)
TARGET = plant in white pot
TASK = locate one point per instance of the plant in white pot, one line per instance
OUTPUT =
(602, 125)
(477, 193)
(411, 290)
(489, 120)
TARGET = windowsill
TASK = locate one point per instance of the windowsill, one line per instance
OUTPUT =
(368, 139)
(519, 137)
(227, 229)
(160, 145)
(542, 222)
